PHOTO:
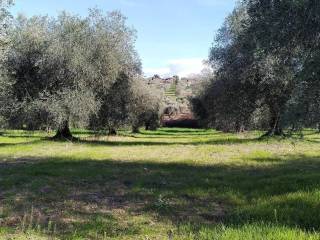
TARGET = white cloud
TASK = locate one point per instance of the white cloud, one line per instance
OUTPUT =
(181, 67)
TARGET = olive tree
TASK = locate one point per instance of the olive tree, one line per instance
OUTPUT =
(129, 102)
(64, 67)
(265, 55)
(6, 99)
(146, 106)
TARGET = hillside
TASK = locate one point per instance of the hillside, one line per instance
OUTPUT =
(176, 91)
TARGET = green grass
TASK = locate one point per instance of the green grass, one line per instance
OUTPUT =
(172, 91)
(167, 184)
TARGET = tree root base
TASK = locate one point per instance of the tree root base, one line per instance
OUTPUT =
(271, 134)
(62, 138)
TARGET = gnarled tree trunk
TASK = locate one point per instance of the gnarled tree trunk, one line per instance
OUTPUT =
(147, 124)
(63, 132)
(135, 129)
(112, 132)
(275, 127)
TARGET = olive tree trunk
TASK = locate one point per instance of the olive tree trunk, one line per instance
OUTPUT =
(63, 132)
(112, 132)
(135, 129)
(275, 128)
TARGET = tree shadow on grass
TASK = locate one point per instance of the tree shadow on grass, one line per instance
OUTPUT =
(122, 143)
(173, 136)
(172, 141)
(180, 132)
(314, 140)
(86, 195)
(4, 145)
(21, 136)
(179, 135)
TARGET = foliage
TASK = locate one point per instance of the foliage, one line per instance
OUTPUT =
(129, 101)
(146, 105)
(265, 61)
(6, 98)
(63, 68)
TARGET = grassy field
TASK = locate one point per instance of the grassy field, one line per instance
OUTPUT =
(168, 184)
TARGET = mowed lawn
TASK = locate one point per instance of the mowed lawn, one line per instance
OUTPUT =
(168, 184)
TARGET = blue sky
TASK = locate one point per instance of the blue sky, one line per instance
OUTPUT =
(174, 36)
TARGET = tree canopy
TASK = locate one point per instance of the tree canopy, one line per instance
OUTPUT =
(266, 55)
(69, 70)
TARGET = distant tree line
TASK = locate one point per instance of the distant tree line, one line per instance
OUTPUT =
(267, 61)
(72, 71)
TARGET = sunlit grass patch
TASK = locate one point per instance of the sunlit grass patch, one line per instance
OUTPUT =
(179, 183)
